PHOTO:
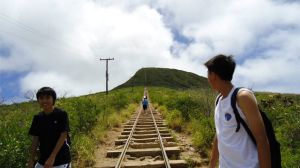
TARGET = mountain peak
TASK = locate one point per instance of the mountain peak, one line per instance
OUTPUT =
(165, 77)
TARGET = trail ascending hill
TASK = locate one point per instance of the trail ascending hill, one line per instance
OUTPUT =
(164, 77)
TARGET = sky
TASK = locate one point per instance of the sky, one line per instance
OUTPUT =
(59, 43)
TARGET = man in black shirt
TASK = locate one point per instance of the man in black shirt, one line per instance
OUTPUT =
(50, 130)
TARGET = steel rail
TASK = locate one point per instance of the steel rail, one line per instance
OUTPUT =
(164, 154)
(118, 165)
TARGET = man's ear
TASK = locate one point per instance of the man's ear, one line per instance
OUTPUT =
(213, 75)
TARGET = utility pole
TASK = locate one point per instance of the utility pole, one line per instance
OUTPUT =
(106, 74)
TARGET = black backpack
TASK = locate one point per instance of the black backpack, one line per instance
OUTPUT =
(274, 145)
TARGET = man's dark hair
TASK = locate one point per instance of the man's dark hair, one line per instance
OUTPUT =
(48, 91)
(222, 65)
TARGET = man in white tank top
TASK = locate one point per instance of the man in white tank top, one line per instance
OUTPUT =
(235, 149)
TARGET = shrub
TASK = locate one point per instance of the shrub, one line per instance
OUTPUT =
(174, 120)
(114, 120)
(118, 100)
(83, 148)
(163, 111)
(86, 114)
(125, 114)
(155, 105)
(203, 132)
(15, 144)
(132, 108)
(99, 131)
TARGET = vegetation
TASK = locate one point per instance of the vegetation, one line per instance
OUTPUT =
(189, 108)
(192, 111)
(164, 77)
(90, 116)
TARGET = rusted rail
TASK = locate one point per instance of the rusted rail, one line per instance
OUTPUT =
(164, 154)
(118, 165)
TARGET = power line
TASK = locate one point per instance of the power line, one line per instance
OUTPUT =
(116, 68)
(38, 43)
(17, 23)
(118, 71)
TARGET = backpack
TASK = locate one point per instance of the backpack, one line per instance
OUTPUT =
(274, 145)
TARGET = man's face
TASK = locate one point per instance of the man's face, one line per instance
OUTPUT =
(45, 101)
(210, 76)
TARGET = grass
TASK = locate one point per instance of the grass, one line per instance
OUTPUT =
(185, 101)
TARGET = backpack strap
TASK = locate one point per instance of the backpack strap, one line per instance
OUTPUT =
(218, 98)
(238, 117)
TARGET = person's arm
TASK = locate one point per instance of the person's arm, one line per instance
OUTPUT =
(50, 161)
(34, 145)
(248, 105)
(215, 153)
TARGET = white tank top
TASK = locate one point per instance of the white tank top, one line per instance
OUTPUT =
(236, 149)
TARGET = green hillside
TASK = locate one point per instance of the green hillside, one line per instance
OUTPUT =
(164, 77)
(187, 110)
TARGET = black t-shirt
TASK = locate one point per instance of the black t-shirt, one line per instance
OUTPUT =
(49, 129)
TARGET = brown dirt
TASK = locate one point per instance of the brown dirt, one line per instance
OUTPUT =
(107, 144)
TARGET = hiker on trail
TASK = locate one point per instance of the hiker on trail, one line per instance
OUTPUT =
(235, 149)
(50, 132)
(145, 104)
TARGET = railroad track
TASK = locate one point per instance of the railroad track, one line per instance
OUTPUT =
(146, 143)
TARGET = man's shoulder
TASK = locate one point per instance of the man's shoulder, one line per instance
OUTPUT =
(245, 95)
(59, 110)
(39, 114)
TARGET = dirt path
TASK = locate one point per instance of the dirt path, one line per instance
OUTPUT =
(184, 141)
(108, 144)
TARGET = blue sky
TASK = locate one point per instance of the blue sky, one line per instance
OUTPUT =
(60, 43)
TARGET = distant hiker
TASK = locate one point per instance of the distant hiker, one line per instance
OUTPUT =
(50, 130)
(231, 148)
(145, 104)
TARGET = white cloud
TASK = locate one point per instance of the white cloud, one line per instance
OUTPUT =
(133, 37)
(262, 34)
(276, 69)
